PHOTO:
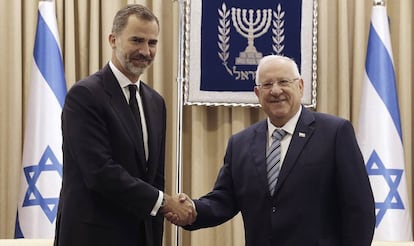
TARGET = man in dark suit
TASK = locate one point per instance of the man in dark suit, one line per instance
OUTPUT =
(114, 146)
(320, 194)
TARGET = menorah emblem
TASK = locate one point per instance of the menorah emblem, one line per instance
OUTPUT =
(250, 28)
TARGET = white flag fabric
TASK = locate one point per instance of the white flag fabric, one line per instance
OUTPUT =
(380, 136)
(42, 150)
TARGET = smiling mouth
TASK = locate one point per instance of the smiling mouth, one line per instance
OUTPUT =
(277, 100)
(140, 60)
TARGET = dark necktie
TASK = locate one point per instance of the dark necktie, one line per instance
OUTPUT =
(133, 105)
(273, 159)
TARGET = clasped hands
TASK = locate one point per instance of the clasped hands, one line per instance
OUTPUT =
(179, 209)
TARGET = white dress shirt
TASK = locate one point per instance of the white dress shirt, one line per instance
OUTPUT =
(289, 128)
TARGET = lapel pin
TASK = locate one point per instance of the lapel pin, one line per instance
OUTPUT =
(302, 134)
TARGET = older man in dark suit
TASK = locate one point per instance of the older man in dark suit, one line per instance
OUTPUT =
(308, 187)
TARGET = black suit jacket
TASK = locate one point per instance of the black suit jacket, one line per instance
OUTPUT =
(108, 188)
(323, 195)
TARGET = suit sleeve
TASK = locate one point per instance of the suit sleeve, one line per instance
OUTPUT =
(354, 189)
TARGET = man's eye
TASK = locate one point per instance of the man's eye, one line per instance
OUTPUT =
(136, 40)
(283, 82)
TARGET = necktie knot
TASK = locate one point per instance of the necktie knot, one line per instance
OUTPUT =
(278, 134)
(132, 90)
(133, 104)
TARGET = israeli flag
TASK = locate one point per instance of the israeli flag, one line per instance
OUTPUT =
(380, 136)
(42, 151)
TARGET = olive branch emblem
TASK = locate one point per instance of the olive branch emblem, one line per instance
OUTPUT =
(223, 36)
(278, 30)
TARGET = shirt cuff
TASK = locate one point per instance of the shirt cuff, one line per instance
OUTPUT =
(157, 204)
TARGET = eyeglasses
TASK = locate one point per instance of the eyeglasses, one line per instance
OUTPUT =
(280, 83)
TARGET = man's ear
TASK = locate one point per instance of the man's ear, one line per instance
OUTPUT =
(301, 85)
(256, 91)
(112, 39)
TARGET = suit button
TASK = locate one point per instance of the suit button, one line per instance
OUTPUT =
(273, 209)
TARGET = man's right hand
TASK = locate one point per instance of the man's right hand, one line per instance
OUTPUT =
(179, 209)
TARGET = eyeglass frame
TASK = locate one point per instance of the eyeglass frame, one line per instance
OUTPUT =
(281, 83)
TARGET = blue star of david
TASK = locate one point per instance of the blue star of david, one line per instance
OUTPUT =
(393, 199)
(33, 197)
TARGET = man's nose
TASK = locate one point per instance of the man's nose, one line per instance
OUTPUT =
(144, 49)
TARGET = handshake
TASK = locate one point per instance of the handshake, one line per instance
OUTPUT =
(179, 209)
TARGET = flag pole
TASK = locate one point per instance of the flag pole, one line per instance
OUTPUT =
(179, 123)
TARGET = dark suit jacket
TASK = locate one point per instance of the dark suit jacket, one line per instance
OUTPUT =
(323, 195)
(108, 189)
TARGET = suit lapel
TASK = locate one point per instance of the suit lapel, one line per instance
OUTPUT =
(300, 138)
(148, 111)
(120, 105)
(258, 150)
(155, 114)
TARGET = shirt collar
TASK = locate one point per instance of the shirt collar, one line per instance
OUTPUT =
(122, 79)
(289, 127)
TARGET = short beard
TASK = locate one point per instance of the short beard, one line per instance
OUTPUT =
(137, 71)
(133, 69)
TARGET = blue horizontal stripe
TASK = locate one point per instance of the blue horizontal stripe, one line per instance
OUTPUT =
(380, 71)
(49, 60)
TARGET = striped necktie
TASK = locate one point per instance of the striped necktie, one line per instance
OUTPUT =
(273, 159)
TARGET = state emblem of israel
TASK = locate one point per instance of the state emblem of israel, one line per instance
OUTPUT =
(250, 24)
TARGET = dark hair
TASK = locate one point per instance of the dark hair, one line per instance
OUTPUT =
(140, 11)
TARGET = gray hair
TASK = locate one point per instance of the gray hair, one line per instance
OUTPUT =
(140, 11)
(275, 59)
